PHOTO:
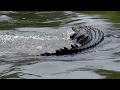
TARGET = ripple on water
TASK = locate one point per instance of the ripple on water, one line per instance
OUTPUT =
(5, 18)
(7, 12)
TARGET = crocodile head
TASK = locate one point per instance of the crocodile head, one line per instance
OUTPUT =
(80, 34)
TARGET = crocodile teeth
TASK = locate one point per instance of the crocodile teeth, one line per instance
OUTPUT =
(57, 51)
(72, 46)
(45, 54)
(82, 44)
(61, 49)
(66, 48)
(76, 45)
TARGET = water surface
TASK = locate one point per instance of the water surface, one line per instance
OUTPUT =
(24, 35)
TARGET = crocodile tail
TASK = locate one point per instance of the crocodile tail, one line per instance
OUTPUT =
(64, 51)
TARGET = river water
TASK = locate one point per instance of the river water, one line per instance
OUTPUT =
(24, 35)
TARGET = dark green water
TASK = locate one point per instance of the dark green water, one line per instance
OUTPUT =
(24, 35)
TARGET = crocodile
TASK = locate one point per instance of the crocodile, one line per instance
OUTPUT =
(85, 37)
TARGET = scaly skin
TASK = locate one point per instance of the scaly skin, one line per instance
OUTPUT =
(86, 36)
